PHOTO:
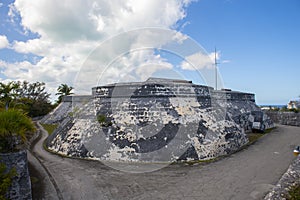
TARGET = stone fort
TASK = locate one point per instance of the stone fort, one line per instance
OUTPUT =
(159, 120)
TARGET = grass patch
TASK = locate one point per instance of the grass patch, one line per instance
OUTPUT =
(253, 137)
(269, 130)
(202, 162)
(34, 179)
(49, 127)
(294, 193)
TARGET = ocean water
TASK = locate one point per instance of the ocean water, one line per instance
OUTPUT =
(273, 106)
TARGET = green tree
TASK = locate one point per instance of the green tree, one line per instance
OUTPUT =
(8, 92)
(35, 91)
(33, 98)
(62, 91)
(14, 125)
(30, 97)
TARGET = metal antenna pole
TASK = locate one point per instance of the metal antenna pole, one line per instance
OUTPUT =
(216, 69)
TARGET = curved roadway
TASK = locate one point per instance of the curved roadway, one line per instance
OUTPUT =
(248, 174)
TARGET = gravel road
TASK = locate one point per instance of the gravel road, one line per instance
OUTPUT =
(247, 174)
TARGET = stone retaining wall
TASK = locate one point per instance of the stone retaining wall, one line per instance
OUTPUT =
(289, 179)
(21, 186)
(284, 118)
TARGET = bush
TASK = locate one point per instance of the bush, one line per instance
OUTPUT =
(285, 109)
(33, 108)
(14, 125)
(295, 110)
(30, 97)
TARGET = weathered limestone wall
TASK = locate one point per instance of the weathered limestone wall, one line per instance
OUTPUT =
(289, 179)
(67, 106)
(21, 186)
(144, 121)
(285, 118)
(242, 109)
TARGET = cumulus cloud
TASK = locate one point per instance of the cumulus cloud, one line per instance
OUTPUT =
(69, 20)
(204, 64)
(130, 56)
(68, 31)
(141, 64)
(3, 42)
(199, 60)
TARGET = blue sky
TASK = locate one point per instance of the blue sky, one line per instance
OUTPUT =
(261, 40)
(257, 40)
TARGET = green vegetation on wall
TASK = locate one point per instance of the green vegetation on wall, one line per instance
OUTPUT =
(5, 180)
(294, 193)
(104, 121)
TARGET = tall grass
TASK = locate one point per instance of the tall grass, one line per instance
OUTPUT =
(14, 124)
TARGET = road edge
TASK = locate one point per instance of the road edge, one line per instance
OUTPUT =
(289, 179)
(35, 160)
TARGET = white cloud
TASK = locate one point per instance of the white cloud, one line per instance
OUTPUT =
(69, 30)
(198, 61)
(204, 64)
(141, 64)
(180, 37)
(3, 42)
(69, 20)
(226, 61)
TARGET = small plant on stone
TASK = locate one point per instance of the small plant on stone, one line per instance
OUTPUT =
(294, 193)
(5, 180)
(102, 119)
(74, 112)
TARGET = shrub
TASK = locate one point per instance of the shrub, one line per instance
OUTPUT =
(14, 125)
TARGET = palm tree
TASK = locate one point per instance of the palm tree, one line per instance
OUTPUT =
(8, 92)
(62, 91)
(14, 125)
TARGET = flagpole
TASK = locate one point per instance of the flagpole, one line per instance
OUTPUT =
(216, 70)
